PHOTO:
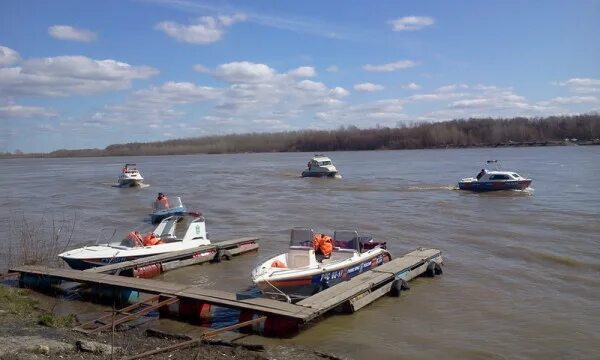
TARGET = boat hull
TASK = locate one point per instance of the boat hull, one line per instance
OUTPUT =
(310, 284)
(319, 173)
(494, 185)
(158, 216)
(129, 182)
(84, 264)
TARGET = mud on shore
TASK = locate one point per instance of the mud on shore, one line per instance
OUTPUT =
(28, 331)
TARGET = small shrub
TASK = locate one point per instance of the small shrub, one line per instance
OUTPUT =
(15, 301)
(52, 320)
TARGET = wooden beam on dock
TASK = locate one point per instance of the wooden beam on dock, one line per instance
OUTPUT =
(214, 297)
(367, 287)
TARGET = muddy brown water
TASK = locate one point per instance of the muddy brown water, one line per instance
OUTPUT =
(522, 269)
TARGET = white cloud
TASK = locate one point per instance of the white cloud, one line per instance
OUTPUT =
(398, 65)
(244, 71)
(333, 68)
(572, 100)
(255, 97)
(12, 111)
(8, 56)
(409, 23)
(411, 86)
(368, 87)
(581, 85)
(205, 30)
(309, 85)
(201, 69)
(69, 75)
(338, 92)
(66, 32)
(304, 71)
(155, 104)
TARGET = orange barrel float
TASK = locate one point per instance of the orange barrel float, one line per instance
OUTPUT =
(147, 271)
(193, 311)
(272, 326)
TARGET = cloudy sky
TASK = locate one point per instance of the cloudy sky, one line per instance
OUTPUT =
(86, 74)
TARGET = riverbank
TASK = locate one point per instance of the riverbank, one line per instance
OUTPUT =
(30, 330)
(470, 133)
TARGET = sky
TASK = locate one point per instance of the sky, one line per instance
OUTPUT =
(87, 74)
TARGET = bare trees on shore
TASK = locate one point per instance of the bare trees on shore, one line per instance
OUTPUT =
(473, 132)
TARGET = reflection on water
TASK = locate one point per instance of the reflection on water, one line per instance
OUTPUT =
(522, 268)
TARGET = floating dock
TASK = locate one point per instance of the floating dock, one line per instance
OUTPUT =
(280, 318)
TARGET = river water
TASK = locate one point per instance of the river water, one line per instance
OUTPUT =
(522, 269)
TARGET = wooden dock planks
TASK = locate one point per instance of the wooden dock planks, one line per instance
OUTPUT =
(357, 292)
(215, 297)
(347, 290)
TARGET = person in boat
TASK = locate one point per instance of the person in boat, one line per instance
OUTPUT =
(481, 173)
(150, 239)
(162, 202)
(133, 239)
(323, 246)
(308, 165)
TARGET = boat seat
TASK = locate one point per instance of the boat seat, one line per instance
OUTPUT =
(300, 257)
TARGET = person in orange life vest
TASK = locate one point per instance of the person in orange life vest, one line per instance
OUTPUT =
(150, 239)
(162, 202)
(323, 245)
(134, 239)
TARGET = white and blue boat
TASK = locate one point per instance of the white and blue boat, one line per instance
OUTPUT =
(130, 176)
(301, 272)
(493, 180)
(163, 239)
(162, 209)
(320, 166)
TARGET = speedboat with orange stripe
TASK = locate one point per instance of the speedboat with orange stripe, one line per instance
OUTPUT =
(302, 271)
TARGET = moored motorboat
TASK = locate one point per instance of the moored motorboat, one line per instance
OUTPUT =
(302, 272)
(491, 180)
(320, 166)
(168, 207)
(130, 176)
(161, 240)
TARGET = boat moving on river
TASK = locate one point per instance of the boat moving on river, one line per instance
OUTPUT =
(491, 180)
(320, 166)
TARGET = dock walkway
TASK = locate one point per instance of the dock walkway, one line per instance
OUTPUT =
(351, 295)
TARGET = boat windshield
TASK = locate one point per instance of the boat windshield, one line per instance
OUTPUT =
(323, 163)
(301, 237)
(172, 202)
(346, 239)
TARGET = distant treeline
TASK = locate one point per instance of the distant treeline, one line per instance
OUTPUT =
(478, 132)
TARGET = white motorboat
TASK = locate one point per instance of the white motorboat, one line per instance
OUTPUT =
(164, 209)
(161, 240)
(320, 166)
(491, 180)
(301, 272)
(130, 176)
